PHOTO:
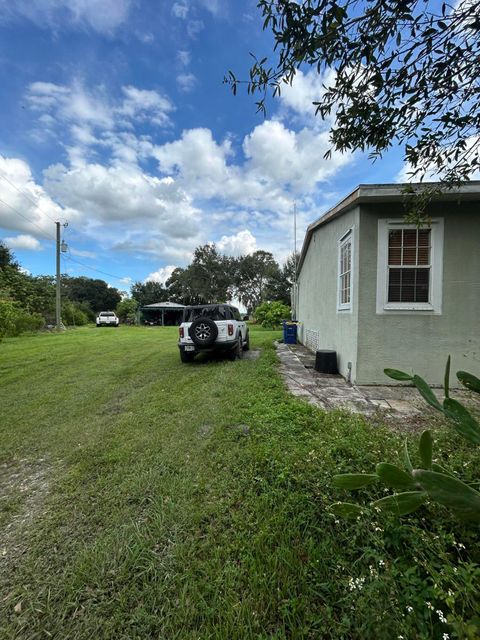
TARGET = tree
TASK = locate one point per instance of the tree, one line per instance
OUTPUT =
(254, 278)
(7, 258)
(280, 286)
(405, 73)
(127, 309)
(149, 293)
(96, 293)
(181, 287)
(211, 274)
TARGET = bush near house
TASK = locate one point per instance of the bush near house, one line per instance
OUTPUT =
(271, 314)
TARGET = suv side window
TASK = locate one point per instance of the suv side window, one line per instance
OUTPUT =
(227, 313)
(236, 314)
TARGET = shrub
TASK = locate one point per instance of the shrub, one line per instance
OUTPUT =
(127, 309)
(270, 314)
(14, 320)
(73, 315)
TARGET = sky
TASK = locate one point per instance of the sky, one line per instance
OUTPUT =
(114, 119)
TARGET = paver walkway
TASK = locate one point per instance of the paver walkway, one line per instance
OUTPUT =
(333, 392)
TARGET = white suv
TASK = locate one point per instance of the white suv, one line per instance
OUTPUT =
(212, 327)
(107, 319)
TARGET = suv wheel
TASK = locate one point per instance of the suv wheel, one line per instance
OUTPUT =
(237, 351)
(246, 346)
(203, 332)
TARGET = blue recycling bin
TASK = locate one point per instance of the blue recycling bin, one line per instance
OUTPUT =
(290, 332)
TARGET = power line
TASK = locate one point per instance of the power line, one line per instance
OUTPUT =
(105, 273)
(28, 220)
(25, 195)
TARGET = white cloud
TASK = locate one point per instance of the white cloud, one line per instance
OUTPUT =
(29, 199)
(186, 82)
(82, 108)
(180, 10)
(161, 275)
(71, 104)
(194, 27)
(286, 157)
(120, 194)
(239, 244)
(184, 57)
(82, 253)
(280, 163)
(103, 16)
(306, 89)
(214, 6)
(141, 104)
(23, 241)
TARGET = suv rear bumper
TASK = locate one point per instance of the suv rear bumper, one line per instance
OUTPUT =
(226, 345)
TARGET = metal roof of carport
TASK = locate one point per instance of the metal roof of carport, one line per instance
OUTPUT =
(164, 305)
(386, 193)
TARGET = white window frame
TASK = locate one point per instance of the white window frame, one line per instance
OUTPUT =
(347, 238)
(434, 305)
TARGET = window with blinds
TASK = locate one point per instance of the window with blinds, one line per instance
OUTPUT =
(345, 273)
(409, 253)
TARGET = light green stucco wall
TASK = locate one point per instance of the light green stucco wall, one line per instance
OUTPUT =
(317, 292)
(418, 341)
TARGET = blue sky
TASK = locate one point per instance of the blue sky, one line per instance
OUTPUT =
(115, 119)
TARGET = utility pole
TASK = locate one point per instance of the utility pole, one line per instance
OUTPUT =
(58, 318)
(58, 302)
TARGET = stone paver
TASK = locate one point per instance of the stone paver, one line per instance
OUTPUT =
(334, 392)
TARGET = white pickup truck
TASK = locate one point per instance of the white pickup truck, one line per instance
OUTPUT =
(212, 327)
(107, 319)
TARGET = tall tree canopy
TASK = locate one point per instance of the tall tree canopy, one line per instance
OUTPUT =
(96, 293)
(406, 73)
(149, 293)
(255, 278)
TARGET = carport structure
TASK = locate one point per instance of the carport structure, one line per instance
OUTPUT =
(163, 314)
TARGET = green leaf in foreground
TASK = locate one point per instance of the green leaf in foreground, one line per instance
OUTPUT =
(346, 509)
(394, 477)
(469, 380)
(425, 448)
(401, 503)
(397, 375)
(406, 457)
(464, 422)
(446, 382)
(426, 392)
(354, 480)
(450, 492)
(439, 469)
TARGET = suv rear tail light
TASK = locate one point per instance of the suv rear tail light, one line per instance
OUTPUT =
(180, 331)
(230, 329)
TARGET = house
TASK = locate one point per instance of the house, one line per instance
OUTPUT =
(161, 313)
(383, 293)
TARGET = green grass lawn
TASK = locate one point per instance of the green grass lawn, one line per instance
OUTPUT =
(137, 504)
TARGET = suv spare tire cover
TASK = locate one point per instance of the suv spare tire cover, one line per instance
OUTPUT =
(203, 332)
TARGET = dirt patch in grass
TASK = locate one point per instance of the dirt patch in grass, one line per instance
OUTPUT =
(25, 485)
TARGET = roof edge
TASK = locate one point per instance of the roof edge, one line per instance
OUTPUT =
(387, 192)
